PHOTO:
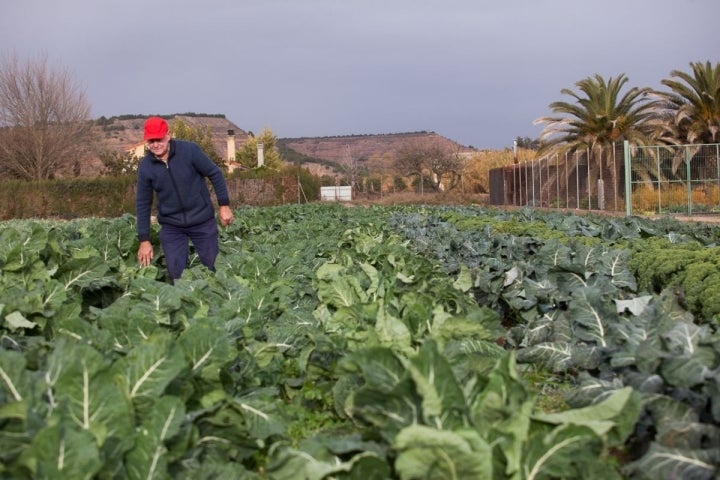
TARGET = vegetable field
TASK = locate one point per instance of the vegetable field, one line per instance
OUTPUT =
(364, 343)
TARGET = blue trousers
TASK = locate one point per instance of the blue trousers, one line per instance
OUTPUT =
(175, 244)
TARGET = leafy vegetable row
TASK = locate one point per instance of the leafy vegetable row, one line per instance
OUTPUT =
(573, 304)
(340, 342)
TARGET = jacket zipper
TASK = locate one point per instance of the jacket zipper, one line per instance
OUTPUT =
(177, 191)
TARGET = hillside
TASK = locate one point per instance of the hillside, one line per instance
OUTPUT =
(342, 150)
(123, 132)
(362, 147)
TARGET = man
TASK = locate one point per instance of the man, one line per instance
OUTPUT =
(176, 170)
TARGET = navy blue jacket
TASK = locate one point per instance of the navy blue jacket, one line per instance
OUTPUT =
(183, 198)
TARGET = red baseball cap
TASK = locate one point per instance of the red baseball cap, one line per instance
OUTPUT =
(155, 127)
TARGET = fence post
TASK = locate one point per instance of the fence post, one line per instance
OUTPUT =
(516, 174)
(717, 161)
(540, 183)
(557, 181)
(589, 185)
(567, 180)
(600, 182)
(659, 182)
(614, 177)
(689, 179)
(577, 180)
(628, 178)
(532, 175)
(527, 190)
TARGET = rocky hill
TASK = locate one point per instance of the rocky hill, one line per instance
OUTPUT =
(362, 147)
(124, 132)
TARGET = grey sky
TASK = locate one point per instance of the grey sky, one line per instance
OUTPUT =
(478, 72)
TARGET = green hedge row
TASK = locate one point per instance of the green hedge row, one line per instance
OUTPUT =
(108, 197)
(67, 198)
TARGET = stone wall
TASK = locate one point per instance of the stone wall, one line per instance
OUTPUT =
(263, 192)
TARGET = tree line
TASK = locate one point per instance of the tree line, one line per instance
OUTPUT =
(45, 126)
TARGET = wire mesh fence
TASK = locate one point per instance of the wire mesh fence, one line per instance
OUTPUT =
(682, 179)
(587, 180)
(678, 179)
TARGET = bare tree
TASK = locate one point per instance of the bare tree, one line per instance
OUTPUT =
(446, 167)
(351, 166)
(44, 119)
(410, 160)
(443, 167)
(384, 166)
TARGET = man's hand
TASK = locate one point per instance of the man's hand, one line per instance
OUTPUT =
(145, 253)
(226, 215)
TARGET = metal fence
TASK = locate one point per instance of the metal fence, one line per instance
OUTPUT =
(664, 180)
(678, 179)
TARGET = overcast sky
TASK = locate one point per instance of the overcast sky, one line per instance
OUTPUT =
(475, 71)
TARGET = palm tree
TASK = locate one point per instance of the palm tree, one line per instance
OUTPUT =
(689, 114)
(691, 109)
(600, 116)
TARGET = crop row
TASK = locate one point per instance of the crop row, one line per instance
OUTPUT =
(380, 342)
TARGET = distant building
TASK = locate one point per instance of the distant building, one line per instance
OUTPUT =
(339, 193)
(137, 150)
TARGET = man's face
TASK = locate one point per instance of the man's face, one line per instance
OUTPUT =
(159, 146)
